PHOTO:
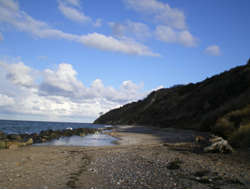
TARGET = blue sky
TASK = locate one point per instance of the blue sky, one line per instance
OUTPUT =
(69, 60)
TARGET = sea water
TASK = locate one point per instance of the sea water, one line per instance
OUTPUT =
(29, 127)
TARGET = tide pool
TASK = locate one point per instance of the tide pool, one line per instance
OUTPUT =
(88, 140)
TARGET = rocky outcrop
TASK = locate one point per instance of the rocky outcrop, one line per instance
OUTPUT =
(2, 144)
(29, 141)
(17, 140)
(12, 145)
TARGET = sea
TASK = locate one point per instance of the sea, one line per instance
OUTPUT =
(29, 127)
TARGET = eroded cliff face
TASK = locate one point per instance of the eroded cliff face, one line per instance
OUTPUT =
(193, 106)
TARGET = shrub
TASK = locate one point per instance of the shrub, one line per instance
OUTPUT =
(226, 125)
(240, 138)
(223, 127)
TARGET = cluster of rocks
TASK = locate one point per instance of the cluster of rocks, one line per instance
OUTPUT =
(15, 140)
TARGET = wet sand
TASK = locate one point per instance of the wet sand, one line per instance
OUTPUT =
(142, 159)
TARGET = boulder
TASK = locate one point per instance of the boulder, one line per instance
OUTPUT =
(21, 143)
(2, 144)
(14, 136)
(29, 141)
(38, 141)
(11, 145)
(81, 134)
(3, 136)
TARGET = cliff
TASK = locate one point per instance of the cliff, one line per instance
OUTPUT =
(193, 106)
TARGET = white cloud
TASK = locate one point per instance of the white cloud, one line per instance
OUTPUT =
(11, 5)
(18, 74)
(1, 37)
(161, 12)
(74, 2)
(61, 82)
(213, 50)
(97, 23)
(171, 28)
(138, 29)
(61, 94)
(168, 35)
(10, 14)
(158, 88)
(109, 43)
(42, 57)
(72, 13)
(6, 101)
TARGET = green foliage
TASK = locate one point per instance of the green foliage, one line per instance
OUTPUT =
(240, 138)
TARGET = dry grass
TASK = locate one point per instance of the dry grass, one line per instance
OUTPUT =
(240, 138)
(235, 127)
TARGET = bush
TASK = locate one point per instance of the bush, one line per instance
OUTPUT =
(226, 125)
(240, 138)
(223, 127)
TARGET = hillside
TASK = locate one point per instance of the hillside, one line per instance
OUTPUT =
(193, 106)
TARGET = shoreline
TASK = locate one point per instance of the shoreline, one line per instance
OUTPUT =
(142, 159)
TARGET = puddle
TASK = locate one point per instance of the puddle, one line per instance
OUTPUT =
(88, 140)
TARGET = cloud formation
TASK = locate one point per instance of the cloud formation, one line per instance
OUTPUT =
(18, 74)
(171, 27)
(161, 12)
(137, 29)
(213, 50)
(1, 37)
(97, 23)
(10, 14)
(42, 57)
(72, 13)
(59, 93)
(168, 35)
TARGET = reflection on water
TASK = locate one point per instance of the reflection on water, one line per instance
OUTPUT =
(88, 140)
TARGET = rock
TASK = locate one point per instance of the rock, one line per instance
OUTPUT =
(37, 141)
(29, 141)
(3, 136)
(2, 144)
(14, 136)
(43, 140)
(81, 134)
(174, 165)
(21, 144)
(17, 140)
(11, 145)
(202, 173)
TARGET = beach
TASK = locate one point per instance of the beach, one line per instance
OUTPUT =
(144, 157)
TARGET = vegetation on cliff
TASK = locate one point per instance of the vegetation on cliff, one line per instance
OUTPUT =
(219, 103)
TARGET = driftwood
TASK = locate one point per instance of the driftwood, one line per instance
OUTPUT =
(218, 144)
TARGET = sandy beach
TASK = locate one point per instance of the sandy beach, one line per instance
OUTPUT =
(144, 157)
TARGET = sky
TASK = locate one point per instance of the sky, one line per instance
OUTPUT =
(70, 60)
